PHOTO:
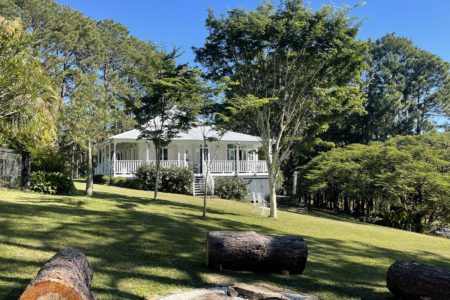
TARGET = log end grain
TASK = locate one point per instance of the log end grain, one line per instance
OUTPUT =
(66, 276)
(50, 290)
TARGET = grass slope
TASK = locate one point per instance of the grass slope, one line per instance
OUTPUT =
(140, 248)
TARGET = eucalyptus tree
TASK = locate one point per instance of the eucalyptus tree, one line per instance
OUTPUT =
(169, 106)
(292, 66)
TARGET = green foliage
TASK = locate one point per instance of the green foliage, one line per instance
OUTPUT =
(28, 102)
(293, 69)
(403, 183)
(48, 160)
(406, 86)
(92, 65)
(231, 188)
(51, 183)
(133, 183)
(101, 179)
(118, 181)
(172, 180)
(407, 89)
(169, 106)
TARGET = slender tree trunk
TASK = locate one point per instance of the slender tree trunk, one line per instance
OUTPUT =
(72, 162)
(205, 189)
(273, 174)
(204, 194)
(273, 195)
(158, 169)
(89, 177)
(82, 172)
(77, 161)
(26, 169)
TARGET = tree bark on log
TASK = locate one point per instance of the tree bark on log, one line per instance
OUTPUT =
(413, 280)
(66, 276)
(247, 250)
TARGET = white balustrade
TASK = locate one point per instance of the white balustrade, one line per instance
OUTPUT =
(129, 167)
(126, 167)
(223, 166)
(253, 166)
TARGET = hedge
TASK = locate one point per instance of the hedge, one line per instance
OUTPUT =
(234, 188)
(172, 180)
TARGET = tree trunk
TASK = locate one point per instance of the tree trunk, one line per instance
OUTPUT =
(72, 163)
(205, 188)
(26, 169)
(66, 276)
(205, 193)
(89, 178)
(158, 168)
(77, 168)
(247, 250)
(412, 280)
(273, 196)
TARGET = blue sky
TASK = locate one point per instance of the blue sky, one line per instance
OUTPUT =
(180, 23)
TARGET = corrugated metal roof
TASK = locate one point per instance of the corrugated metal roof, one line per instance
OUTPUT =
(195, 134)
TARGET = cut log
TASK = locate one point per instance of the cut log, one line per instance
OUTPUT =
(66, 276)
(413, 280)
(247, 250)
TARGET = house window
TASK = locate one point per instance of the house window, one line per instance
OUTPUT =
(231, 151)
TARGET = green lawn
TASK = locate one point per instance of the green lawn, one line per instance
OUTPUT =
(141, 248)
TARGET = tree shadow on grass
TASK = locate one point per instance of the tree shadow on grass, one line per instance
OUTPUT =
(137, 253)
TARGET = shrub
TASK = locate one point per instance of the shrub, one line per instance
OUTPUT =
(102, 179)
(133, 183)
(234, 188)
(105, 180)
(172, 180)
(118, 181)
(51, 183)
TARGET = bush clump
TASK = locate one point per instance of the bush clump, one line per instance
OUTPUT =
(234, 188)
(51, 183)
(118, 181)
(172, 180)
(102, 179)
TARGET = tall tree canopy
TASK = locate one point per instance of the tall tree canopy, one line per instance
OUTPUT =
(28, 101)
(73, 50)
(293, 68)
(408, 92)
(169, 106)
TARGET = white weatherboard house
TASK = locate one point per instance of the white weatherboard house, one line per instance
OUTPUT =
(237, 155)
